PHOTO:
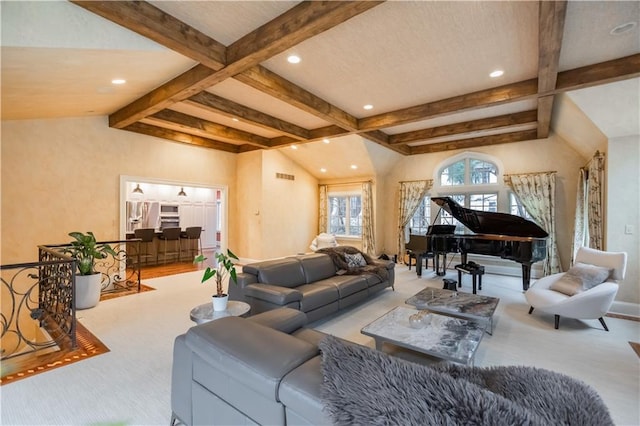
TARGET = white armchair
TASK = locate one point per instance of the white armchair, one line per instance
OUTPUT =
(579, 293)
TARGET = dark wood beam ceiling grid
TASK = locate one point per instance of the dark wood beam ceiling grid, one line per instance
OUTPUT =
(502, 121)
(503, 138)
(207, 128)
(241, 61)
(182, 137)
(550, 32)
(213, 103)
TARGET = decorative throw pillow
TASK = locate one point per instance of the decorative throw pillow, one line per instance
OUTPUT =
(325, 240)
(355, 260)
(581, 277)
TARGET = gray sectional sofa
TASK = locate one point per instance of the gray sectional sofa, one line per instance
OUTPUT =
(310, 283)
(269, 369)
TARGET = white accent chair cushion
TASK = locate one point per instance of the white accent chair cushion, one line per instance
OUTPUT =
(581, 277)
(591, 303)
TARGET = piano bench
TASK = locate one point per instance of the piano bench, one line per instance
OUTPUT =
(476, 271)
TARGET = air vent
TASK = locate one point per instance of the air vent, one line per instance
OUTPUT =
(285, 176)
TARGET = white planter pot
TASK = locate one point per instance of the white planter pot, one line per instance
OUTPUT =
(88, 290)
(220, 303)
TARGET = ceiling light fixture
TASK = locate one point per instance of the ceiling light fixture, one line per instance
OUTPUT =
(294, 147)
(182, 193)
(623, 28)
(368, 106)
(118, 81)
(353, 166)
(293, 59)
(137, 189)
(323, 170)
(325, 140)
(496, 73)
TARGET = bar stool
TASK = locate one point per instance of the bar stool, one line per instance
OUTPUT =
(170, 234)
(192, 235)
(146, 235)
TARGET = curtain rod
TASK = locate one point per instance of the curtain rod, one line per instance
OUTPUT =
(346, 183)
(417, 180)
(531, 173)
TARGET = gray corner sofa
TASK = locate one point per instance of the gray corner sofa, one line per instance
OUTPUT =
(270, 369)
(309, 283)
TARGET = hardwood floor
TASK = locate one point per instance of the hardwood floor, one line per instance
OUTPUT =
(155, 271)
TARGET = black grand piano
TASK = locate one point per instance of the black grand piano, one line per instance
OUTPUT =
(495, 234)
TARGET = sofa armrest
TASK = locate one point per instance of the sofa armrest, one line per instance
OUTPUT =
(236, 346)
(274, 294)
(237, 290)
(286, 320)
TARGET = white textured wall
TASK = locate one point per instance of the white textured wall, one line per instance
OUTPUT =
(63, 175)
(623, 205)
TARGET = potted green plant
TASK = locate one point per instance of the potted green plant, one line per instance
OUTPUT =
(85, 249)
(224, 267)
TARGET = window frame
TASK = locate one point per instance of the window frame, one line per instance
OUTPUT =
(348, 219)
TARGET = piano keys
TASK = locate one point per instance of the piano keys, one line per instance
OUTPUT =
(495, 234)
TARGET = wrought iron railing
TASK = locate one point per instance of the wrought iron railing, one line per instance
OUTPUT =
(120, 272)
(38, 310)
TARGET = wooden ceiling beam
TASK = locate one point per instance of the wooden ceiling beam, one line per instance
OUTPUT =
(470, 143)
(502, 121)
(219, 105)
(175, 136)
(194, 125)
(154, 24)
(602, 73)
(480, 99)
(303, 21)
(550, 31)
(272, 84)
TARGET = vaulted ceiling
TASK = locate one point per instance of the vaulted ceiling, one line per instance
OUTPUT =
(215, 73)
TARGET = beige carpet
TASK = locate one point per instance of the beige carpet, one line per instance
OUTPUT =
(131, 384)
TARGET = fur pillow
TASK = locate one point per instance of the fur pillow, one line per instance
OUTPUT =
(362, 386)
(581, 277)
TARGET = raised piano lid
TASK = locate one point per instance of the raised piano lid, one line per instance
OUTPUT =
(489, 222)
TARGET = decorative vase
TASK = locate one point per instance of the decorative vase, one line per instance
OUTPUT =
(88, 290)
(220, 302)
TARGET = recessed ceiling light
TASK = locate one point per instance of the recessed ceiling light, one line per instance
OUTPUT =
(353, 166)
(496, 73)
(323, 170)
(293, 59)
(118, 81)
(368, 106)
(294, 146)
(325, 140)
(623, 28)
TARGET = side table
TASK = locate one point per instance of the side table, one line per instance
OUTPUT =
(204, 313)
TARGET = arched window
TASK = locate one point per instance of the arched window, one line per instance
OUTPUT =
(473, 180)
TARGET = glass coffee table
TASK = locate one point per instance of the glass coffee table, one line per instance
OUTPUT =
(462, 305)
(444, 337)
(205, 313)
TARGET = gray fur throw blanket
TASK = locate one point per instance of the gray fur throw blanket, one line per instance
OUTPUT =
(362, 386)
(337, 255)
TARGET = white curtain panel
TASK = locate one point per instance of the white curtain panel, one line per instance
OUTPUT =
(322, 209)
(595, 197)
(368, 229)
(537, 193)
(580, 229)
(410, 196)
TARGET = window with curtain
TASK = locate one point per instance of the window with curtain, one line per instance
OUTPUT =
(345, 214)
(420, 221)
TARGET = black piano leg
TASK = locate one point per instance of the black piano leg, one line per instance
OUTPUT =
(526, 276)
(419, 265)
